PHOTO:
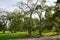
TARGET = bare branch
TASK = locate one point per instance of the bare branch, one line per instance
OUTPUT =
(36, 2)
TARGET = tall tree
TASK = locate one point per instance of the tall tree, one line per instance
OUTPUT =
(3, 19)
(29, 7)
(40, 9)
(56, 15)
(48, 18)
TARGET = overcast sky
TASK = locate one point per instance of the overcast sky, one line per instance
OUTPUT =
(7, 4)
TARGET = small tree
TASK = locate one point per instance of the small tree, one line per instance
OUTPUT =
(16, 22)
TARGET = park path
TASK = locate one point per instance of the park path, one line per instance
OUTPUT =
(41, 38)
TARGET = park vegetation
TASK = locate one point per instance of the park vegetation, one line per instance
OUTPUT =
(20, 23)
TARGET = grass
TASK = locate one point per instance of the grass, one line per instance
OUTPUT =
(22, 35)
(13, 36)
(45, 33)
(56, 39)
(49, 33)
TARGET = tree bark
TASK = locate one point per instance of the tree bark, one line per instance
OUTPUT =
(4, 29)
(14, 30)
(40, 26)
(30, 25)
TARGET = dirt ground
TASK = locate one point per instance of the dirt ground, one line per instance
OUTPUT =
(40, 38)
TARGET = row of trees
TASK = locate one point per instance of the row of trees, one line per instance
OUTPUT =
(23, 21)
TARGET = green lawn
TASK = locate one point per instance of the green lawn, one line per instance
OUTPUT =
(45, 33)
(22, 35)
(14, 35)
(49, 33)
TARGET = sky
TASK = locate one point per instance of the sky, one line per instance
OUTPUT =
(8, 4)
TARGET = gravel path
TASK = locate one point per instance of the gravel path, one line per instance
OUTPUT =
(41, 38)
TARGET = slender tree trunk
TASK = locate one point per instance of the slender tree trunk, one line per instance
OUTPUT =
(29, 32)
(40, 26)
(4, 29)
(14, 30)
(57, 30)
(30, 25)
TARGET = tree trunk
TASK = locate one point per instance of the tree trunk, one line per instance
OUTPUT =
(40, 26)
(4, 29)
(30, 25)
(29, 32)
(14, 30)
